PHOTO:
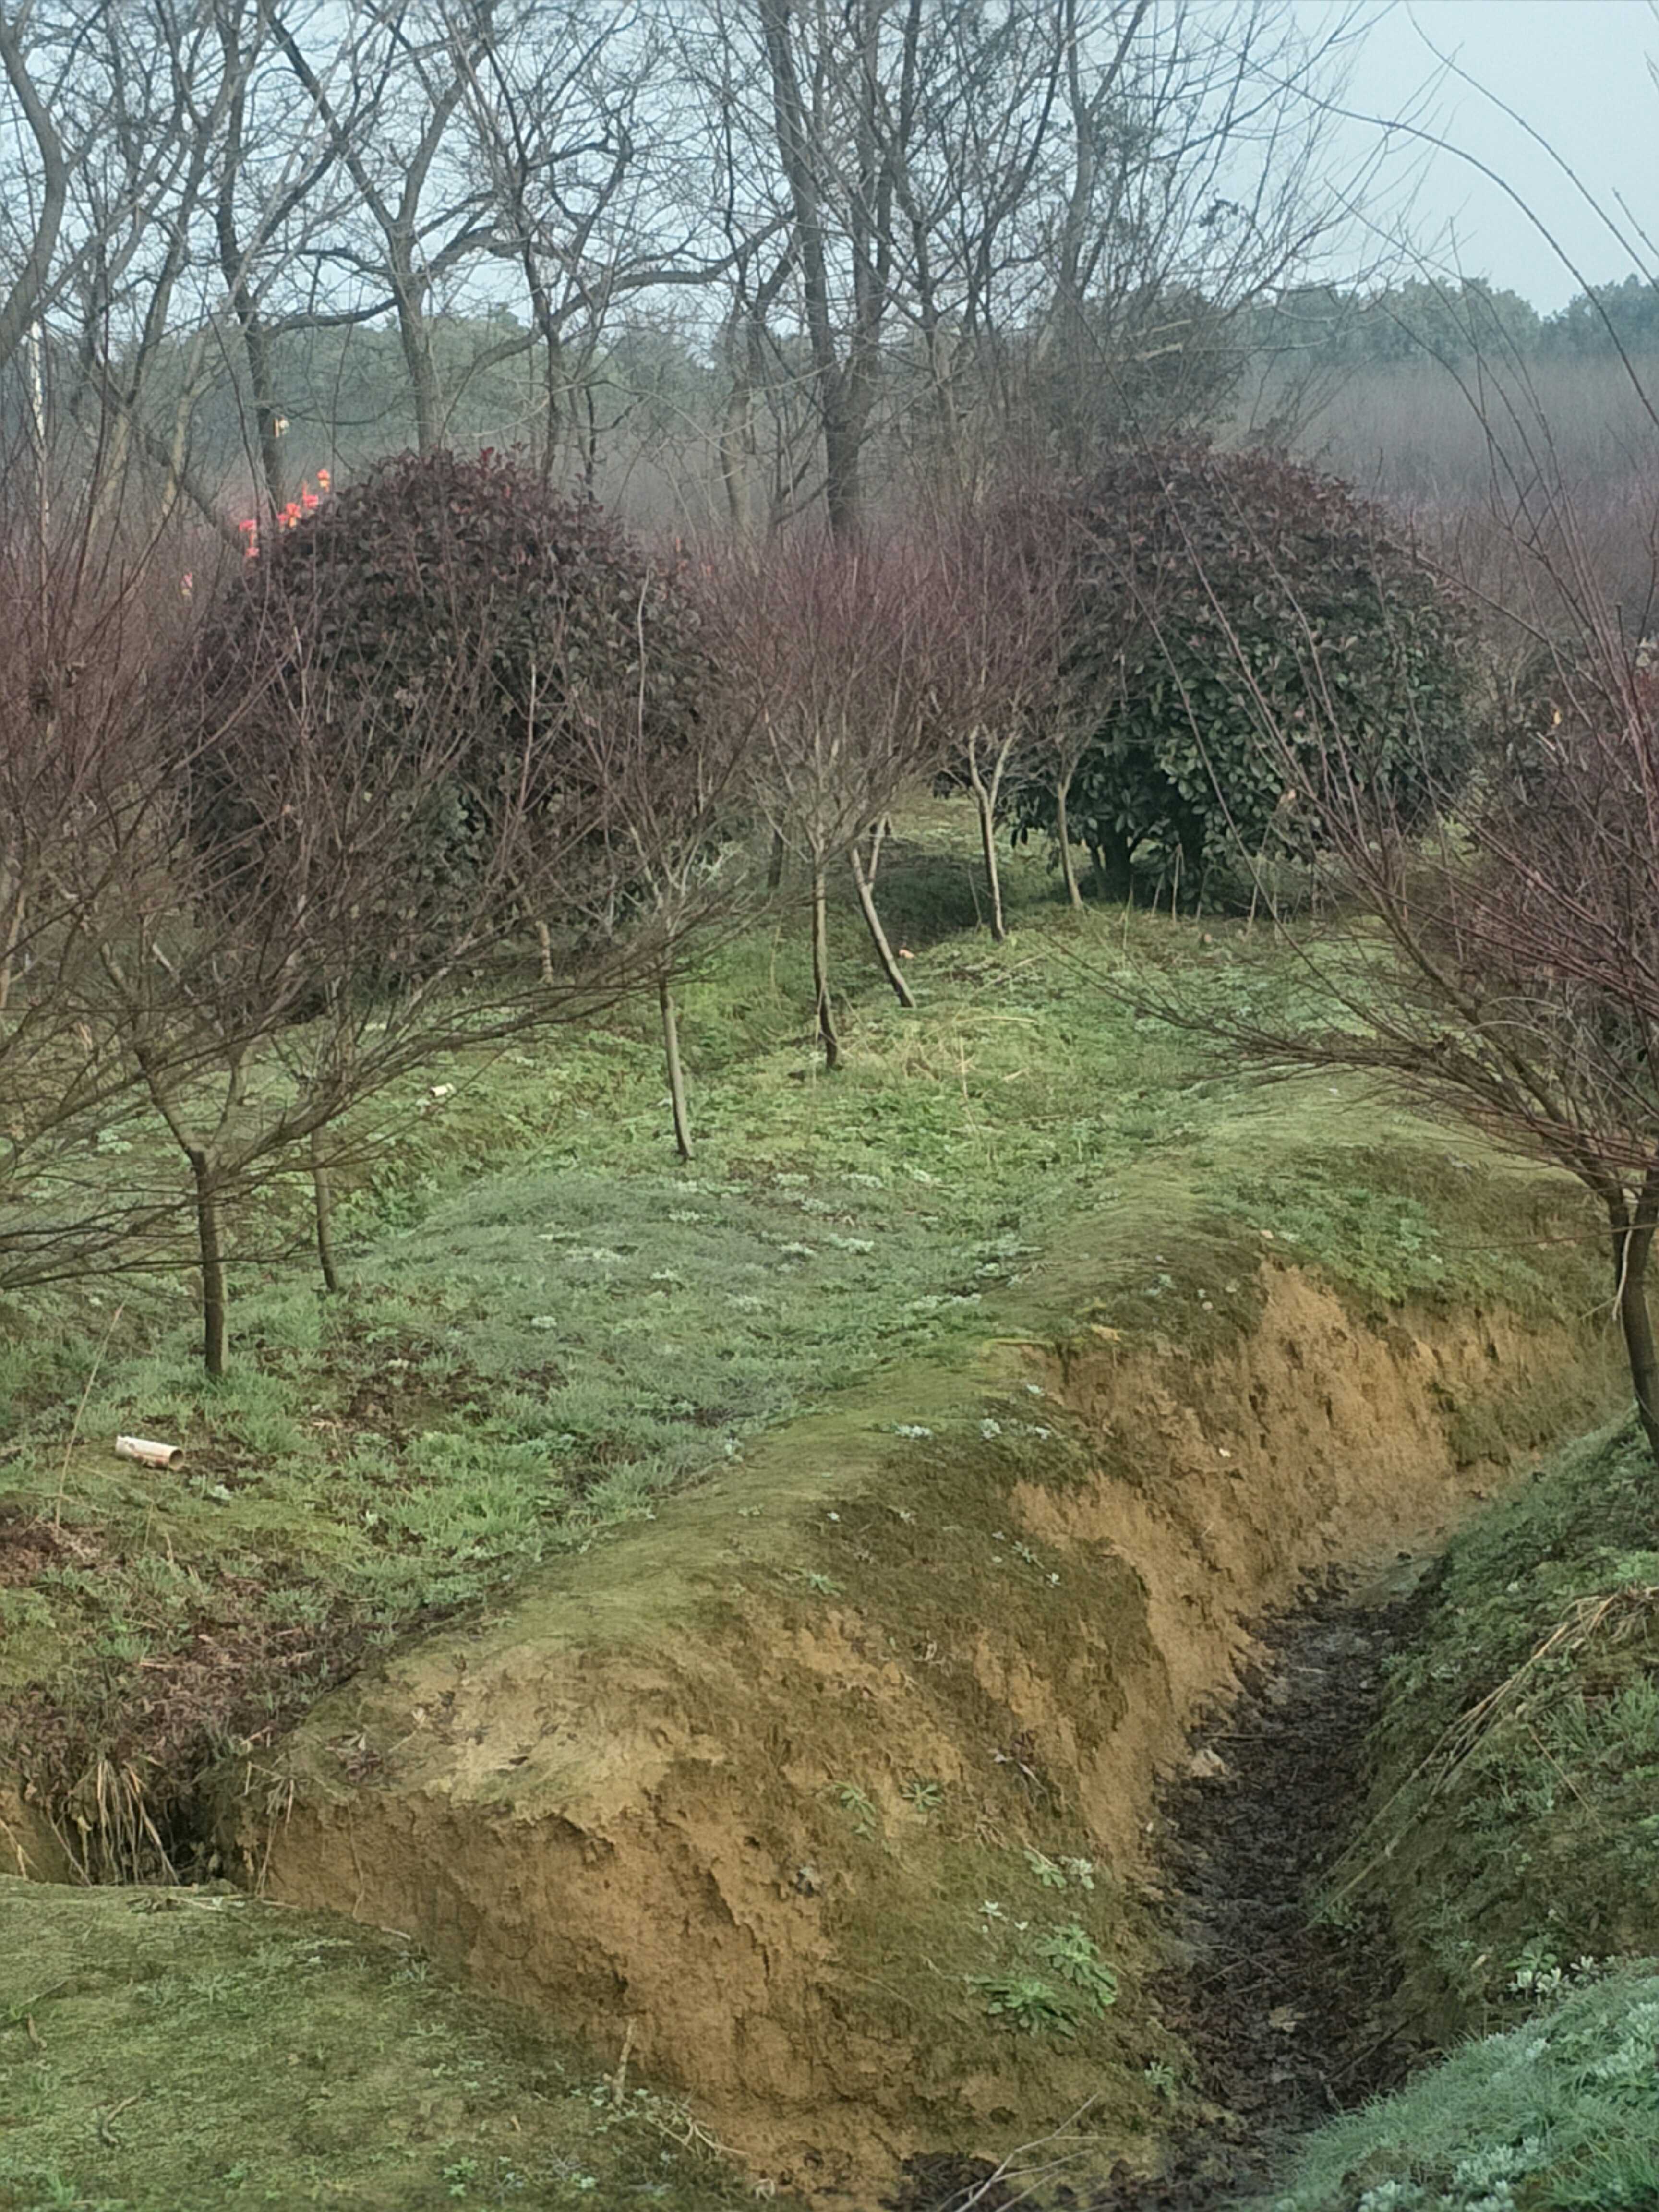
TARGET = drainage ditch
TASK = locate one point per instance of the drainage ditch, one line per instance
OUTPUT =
(1288, 2013)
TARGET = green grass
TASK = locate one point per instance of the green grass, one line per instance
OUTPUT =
(1515, 1843)
(1558, 2115)
(1518, 1811)
(179, 2051)
(550, 1322)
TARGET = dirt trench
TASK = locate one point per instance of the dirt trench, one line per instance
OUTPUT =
(1287, 2011)
(784, 1787)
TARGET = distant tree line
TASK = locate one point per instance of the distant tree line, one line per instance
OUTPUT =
(1455, 321)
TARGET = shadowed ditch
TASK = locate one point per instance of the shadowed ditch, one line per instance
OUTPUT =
(1285, 2009)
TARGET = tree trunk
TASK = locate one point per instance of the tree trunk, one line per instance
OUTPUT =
(234, 268)
(865, 880)
(12, 904)
(826, 1010)
(322, 1192)
(1063, 839)
(671, 1047)
(408, 290)
(775, 866)
(737, 438)
(1114, 865)
(843, 490)
(214, 1307)
(1633, 1247)
(984, 800)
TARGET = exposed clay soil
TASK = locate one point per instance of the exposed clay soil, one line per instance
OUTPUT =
(597, 1801)
(1286, 2018)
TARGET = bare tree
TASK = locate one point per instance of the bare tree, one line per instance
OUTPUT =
(285, 942)
(570, 121)
(1500, 964)
(98, 124)
(44, 209)
(830, 651)
(668, 815)
(82, 607)
(999, 604)
(1193, 180)
(417, 221)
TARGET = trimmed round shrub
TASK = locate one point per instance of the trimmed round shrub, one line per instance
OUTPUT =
(437, 587)
(1236, 617)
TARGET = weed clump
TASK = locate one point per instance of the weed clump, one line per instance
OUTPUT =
(1514, 1822)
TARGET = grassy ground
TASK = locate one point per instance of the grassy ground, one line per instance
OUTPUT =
(1516, 1841)
(1554, 2116)
(550, 1321)
(1518, 1815)
(177, 2050)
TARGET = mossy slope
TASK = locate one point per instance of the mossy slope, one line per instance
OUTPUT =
(182, 2051)
(1514, 1842)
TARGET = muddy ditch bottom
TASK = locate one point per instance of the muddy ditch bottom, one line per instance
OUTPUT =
(1287, 2017)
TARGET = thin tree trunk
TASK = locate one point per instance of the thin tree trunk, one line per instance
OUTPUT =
(985, 799)
(13, 900)
(1115, 867)
(1063, 838)
(826, 1010)
(1633, 1247)
(843, 449)
(214, 1304)
(671, 1047)
(416, 351)
(775, 866)
(244, 303)
(322, 1192)
(544, 949)
(866, 890)
(737, 438)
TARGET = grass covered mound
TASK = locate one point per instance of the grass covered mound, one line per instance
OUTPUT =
(1517, 1826)
(549, 1322)
(180, 2050)
(1515, 1842)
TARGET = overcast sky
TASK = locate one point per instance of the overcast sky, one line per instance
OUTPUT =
(1579, 71)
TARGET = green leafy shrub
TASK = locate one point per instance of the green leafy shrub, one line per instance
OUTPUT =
(1231, 612)
(439, 586)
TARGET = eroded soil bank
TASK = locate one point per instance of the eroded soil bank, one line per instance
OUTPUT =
(801, 1788)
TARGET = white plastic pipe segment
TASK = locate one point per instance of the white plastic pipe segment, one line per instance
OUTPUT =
(152, 1455)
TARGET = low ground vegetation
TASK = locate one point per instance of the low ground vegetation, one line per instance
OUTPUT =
(174, 2048)
(1520, 1748)
(1512, 1843)
(547, 1320)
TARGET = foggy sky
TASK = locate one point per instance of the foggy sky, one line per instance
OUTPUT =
(1581, 72)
